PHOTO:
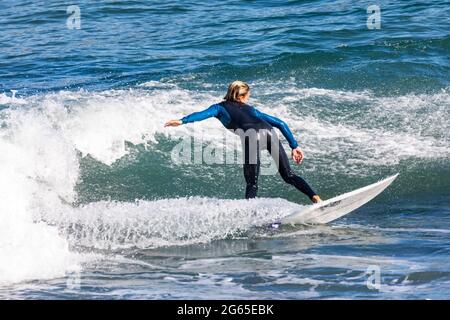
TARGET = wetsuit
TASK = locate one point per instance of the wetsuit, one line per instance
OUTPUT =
(238, 116)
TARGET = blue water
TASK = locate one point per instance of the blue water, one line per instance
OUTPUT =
(93, 205)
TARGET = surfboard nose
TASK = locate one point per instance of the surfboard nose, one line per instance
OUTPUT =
(334, 208)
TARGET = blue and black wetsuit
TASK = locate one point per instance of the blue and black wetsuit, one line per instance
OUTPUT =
(234, 116)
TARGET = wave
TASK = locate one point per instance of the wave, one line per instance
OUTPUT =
(44, 138)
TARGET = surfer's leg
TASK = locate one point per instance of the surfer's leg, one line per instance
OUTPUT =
(251, 173)
(285, 169)
(290, 177)
(251, 169)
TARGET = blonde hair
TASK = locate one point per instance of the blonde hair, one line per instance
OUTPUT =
(236, 89)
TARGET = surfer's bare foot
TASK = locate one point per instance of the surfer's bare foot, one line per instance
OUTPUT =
(316, 199)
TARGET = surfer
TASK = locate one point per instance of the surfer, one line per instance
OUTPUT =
(235, 114)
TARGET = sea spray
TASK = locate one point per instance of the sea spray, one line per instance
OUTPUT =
(167, 222)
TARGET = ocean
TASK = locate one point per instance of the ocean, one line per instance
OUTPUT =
(94, 205)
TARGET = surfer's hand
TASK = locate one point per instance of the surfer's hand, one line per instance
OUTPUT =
(173, 123)
(297, 155)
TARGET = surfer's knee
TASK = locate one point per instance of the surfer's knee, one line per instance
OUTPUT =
(251, 190)
(287, 176)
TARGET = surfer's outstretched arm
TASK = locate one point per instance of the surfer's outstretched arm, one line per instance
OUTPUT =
(281, 125)
(297, 153)
(215, 110)
(212, 111)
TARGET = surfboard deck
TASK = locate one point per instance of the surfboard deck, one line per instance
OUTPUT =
(334, 208)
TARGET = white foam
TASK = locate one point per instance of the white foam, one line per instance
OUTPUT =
(374, 131)
(37, 168)
(150, 224)
(336, 95)
(11, 100)
(388, 130)
(28, 250)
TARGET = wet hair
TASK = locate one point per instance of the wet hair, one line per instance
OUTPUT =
(236, 89)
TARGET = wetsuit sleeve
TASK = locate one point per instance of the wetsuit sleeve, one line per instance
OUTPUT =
(212, 111)
(281, 125)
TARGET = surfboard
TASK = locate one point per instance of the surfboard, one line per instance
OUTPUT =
(334, 208)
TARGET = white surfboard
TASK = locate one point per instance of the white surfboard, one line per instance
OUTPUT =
(334, 208)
